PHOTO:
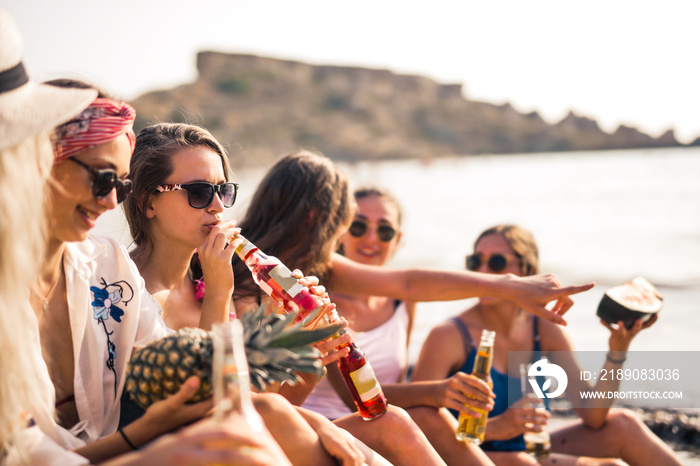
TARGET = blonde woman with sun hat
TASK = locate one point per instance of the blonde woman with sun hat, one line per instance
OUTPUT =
(29, 112)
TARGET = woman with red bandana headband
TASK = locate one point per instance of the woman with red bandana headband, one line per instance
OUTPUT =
(92, 307)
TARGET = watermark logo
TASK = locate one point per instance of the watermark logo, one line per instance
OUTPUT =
(542, 368)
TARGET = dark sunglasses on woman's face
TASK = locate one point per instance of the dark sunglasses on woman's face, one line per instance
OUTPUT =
(496, 262)
(200, 193)
(385, 233)
(104, 181)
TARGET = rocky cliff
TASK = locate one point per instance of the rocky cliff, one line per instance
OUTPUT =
(261, 108)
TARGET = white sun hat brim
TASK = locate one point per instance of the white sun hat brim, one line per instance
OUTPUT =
(28, 108)
(33, 108)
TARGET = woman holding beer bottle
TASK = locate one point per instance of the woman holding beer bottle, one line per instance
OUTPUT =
(601, 436)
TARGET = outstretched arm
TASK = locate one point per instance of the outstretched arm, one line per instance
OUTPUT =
(532, 293)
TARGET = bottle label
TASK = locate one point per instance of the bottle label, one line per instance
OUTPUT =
(366, 382)
(283, 276)
(244, 248)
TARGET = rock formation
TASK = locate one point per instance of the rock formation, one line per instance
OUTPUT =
(261, 108)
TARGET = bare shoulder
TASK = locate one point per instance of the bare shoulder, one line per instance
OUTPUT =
(440, 354)
(444, 333)
(554, 337)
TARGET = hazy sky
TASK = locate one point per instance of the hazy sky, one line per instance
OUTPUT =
(617, 61)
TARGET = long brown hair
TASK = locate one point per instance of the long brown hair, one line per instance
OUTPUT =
(296, 213)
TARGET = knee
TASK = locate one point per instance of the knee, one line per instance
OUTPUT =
(271, 404)
(625, 423)
(398, 420)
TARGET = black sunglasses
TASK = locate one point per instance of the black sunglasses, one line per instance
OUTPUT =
(385, 233)
(104, 181)
(496, 263)
(200, 193)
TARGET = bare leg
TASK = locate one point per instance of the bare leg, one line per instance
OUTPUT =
(296, 437)
(393, 435)
(439, 427)
(372, 458)
(521, 458)
(623, 436)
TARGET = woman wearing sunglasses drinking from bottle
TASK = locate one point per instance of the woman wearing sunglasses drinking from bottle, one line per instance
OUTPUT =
(182, 185)
(602, 436)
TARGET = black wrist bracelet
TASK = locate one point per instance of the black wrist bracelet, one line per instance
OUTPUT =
(126, 439)
(615, 361)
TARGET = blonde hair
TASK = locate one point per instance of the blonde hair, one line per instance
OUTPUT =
(24, 170)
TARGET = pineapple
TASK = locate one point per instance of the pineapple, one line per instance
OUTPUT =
(275, 351)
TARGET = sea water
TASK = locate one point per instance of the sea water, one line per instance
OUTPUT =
(603, 216)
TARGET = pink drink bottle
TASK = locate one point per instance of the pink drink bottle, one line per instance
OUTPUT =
(275, 279)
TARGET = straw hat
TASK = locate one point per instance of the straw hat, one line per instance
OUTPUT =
(27, 108)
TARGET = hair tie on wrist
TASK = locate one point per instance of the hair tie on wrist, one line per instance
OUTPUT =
(126, 439)
(615, 361)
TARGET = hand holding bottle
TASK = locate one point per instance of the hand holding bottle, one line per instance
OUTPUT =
(521, 417)
(472, 429)
(463, 392)
(319, 291)
(334, 348)
(215, 259)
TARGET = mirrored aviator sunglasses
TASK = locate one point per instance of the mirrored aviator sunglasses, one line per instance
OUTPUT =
(200, 194)
(104, 181)
(385, 233)
(496, 263)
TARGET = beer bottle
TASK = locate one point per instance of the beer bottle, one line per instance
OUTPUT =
(472, 429)
(273, 277)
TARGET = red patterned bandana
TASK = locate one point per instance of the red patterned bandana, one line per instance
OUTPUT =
(101, 122)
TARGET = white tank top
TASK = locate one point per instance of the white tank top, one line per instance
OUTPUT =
(385, 348)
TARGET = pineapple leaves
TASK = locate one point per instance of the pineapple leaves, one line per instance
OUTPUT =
(277, 348)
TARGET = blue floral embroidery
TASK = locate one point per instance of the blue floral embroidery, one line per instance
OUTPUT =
(104, 303)
(104, 307)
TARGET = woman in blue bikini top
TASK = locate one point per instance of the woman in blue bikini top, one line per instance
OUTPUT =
(601, 434)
